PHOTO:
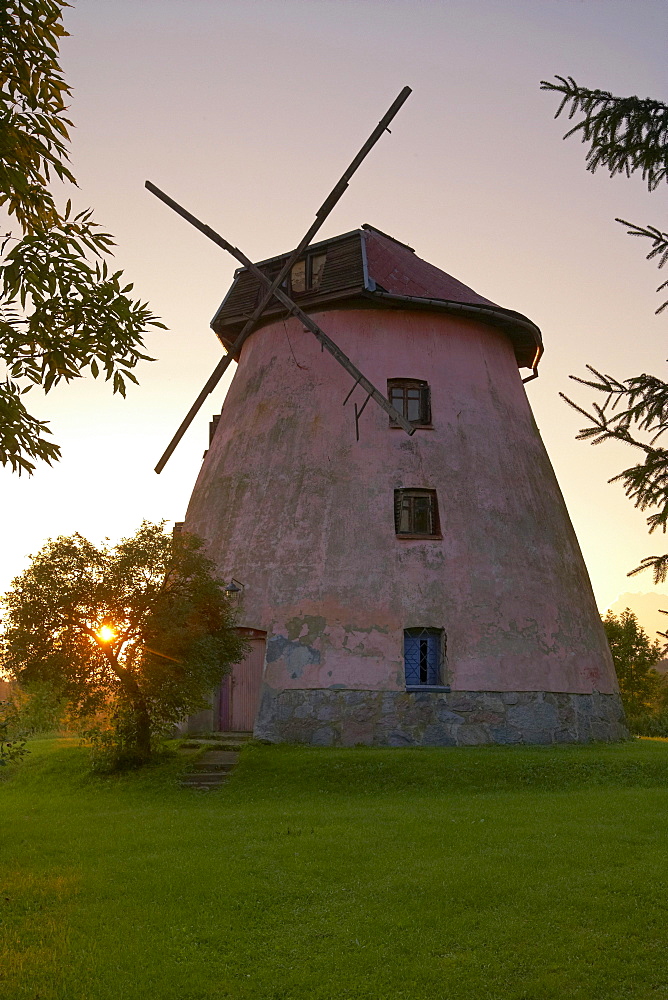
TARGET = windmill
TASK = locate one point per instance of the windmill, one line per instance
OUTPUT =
(273, 289)
(420, 584)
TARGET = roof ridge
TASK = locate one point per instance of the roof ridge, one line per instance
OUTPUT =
(374, 229)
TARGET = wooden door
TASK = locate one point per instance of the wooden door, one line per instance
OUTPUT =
(240, 690)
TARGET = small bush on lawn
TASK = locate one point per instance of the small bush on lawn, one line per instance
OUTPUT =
(111, 738)
(649, 724)
(12, 738)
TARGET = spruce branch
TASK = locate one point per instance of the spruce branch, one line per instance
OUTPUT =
(634, 412)
(625, 134)
(659, 567)
(659, 248)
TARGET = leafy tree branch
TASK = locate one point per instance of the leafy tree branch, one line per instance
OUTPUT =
(63, 311)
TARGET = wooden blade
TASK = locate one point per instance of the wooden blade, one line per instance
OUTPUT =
(209, 386)
(293, 309)
(321, 215)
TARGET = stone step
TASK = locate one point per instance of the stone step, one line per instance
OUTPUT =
(205, 786)
(208, 769)
(220, 756)
(226, 743)
(212, 769)
(199, 776)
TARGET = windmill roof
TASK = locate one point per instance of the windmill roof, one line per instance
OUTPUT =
(367, 268)
(397, 268)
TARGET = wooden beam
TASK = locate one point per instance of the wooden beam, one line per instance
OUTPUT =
(321, 215)
(292, 308)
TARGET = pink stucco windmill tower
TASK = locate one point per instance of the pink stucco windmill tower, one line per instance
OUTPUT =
(408, 574)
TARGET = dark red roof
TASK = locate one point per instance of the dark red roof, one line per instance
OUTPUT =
(366, 268)
(397, 269)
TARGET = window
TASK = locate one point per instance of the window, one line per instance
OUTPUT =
(424, 653)
(416, 514)
(306, 274)
(411, 397)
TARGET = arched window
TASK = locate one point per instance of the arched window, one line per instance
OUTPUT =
(411, 397)
(424, 656)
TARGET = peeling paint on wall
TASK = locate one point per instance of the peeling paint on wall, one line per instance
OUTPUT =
(295, 655)
(290, 504)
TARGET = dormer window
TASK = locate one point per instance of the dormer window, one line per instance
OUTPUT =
(411, 397)
(306, 274)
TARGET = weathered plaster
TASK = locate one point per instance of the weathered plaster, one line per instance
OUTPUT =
(290, 504)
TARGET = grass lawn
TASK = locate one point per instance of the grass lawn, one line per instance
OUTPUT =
(455, 874)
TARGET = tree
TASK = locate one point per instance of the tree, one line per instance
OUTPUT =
(626, 135)
(63, 311)
(634, 656)
(141, 628)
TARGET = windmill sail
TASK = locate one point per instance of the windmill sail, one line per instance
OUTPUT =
(322, 213)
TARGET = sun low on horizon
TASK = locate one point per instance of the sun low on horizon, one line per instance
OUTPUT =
(106, 634)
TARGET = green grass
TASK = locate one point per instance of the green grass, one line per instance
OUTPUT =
(465, 874)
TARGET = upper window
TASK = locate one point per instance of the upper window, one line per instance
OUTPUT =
(424, 654)
(416, 514)
(306, 274)
(411, 397)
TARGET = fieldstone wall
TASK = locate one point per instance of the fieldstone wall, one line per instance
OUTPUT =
(427, 718)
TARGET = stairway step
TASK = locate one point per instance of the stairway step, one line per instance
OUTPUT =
(212, 768)
(235, 744)
(211, 775)
(202, 786)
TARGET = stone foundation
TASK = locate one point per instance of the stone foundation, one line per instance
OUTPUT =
(326, 717)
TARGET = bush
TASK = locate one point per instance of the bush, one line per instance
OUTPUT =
(111, 738)
(12, 738)
(649, 724)
(40, 706)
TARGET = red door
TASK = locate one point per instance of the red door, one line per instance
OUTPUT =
(240, 690)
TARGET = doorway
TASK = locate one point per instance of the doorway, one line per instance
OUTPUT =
(240, 690)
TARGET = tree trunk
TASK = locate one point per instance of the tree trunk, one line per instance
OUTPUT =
(142, 718)
(142, 730)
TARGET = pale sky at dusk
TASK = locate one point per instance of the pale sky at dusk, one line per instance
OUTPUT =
(247, 112)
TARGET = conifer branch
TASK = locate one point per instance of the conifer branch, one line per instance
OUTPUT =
(659, 567)
(625, 134)
(659, 248)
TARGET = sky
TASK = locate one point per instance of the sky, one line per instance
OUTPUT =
(247, 112)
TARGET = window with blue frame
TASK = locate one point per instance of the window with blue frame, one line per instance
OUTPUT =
(424, 654)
